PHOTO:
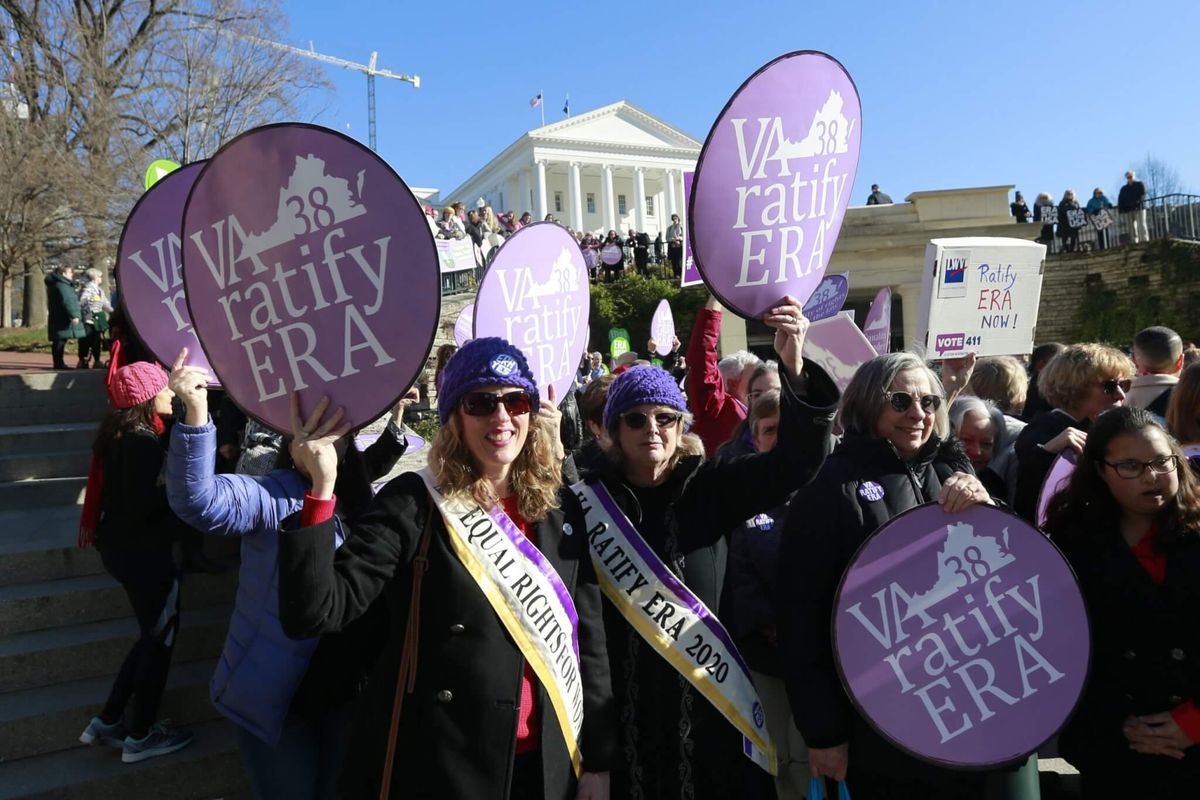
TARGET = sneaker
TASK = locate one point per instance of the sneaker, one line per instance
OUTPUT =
(161, 740)
(99, 732)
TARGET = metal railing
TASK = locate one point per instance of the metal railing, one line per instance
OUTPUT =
(1172, 216)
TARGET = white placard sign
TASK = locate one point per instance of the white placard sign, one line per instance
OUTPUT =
(980, 295)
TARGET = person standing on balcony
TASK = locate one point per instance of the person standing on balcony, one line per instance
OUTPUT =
(1019, 210)
(878, 198)
(1131, 203)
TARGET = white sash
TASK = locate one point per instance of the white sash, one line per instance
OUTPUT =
(529, 597)
(672, 620)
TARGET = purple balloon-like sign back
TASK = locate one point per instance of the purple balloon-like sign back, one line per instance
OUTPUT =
(838, 347)
(309, 267)
(149, 269)
(829, 297)
(662, 327)
(535, 296)
(464, 325)
(878, 327)
(773, 181)
(1056, 480)
(962, 638)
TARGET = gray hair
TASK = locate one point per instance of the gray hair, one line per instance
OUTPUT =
(731, 366)
(93, 274)
(967, 404)
(866, 396)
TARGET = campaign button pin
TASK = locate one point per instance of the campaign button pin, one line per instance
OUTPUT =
(870, 491)
(763, 522)
(567, 529)
(504, 365)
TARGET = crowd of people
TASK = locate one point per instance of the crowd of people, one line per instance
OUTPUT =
(607, 255)
(1093, 220)
(368, 654)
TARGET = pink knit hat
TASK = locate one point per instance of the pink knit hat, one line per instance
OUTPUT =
(136, 383)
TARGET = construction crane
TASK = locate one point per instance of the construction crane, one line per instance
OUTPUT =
(369, 69)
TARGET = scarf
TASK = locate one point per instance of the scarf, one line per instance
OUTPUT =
(90, 518)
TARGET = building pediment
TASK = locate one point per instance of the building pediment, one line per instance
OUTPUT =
(619, 125)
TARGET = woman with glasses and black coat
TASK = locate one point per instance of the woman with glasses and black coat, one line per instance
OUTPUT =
(895, 456)
(674, 743)
(1080, 383)
(1129, 523)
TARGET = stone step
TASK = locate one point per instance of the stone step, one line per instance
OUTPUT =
(39, 544)
(210, 768)
(43, 605)
(44, 464)
(41, 493)
(48, 398)
(18, 439)
(94, 649)
(34, 722)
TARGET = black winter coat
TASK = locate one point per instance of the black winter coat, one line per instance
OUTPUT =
(1145, 654)
(134, 513)
(62, 306)
(1033, 463)
(674, 743)
(458, 730)
(827, 522)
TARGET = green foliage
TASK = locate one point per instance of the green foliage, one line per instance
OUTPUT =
(630, 302)
(425, 427)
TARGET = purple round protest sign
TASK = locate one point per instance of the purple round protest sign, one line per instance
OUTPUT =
(535, 296)
(1056, 479)
(662, 328)
(962, 638)
(878, 327)
(828, 298)
(773, 181)
(148, 269)
(309, 267)
(464, 325)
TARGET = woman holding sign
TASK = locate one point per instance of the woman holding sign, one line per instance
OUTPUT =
(1129, 523)
(895, 456)
(658, 515)
(484, 554)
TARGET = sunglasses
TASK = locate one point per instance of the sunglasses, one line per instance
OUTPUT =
(1111, 385)
(484, 404)
(902, 401)
(636, 420)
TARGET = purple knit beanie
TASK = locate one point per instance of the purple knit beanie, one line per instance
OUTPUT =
(490, 361)
(638, 385)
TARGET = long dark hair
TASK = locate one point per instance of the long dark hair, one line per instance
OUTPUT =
(121, 421)
(1087, 505)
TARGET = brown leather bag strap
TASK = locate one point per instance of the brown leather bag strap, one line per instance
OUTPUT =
(406, 676)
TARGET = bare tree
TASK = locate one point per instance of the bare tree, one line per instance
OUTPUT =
(127, 81)
(1160, 177)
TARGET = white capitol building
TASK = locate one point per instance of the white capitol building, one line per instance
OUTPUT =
(616, 167)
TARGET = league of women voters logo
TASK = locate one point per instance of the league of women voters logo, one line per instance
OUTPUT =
(309, 267)
(535, 295)
(773, 181)
(962, 639)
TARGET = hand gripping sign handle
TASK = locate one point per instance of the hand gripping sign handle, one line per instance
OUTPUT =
(816, 790)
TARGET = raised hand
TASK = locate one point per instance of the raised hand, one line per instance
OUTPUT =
(190, 385)
(956, 373)
(312, 446)
(791, 326)
(551, 418)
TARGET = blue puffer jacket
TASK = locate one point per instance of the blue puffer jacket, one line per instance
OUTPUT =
(260, 667)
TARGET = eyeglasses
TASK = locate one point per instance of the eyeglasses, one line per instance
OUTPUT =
(1163, 465)
(902, 401)
(1111, 385)
(636, 420)
(484, 404)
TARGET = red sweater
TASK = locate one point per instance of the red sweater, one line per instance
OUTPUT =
(716, 413)
(1186, 715)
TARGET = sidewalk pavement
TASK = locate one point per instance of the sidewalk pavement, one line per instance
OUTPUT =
(15, 363)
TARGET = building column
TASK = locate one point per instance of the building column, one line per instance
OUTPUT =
(910, 302)
(672, 206)
(522, 205)
(639, 202)
(543, 206)
(576, 197)
(609, 199)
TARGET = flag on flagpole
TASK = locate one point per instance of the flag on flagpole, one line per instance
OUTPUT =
(536, 100)
(567, 106)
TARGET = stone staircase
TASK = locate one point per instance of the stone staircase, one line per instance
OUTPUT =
(65, 626)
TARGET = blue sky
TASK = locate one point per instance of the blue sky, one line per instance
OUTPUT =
(1046, 96)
